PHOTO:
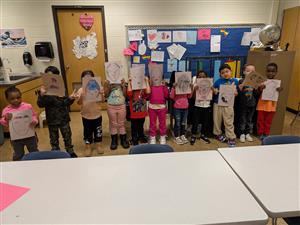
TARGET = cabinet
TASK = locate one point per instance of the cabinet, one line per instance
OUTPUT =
(291, 34)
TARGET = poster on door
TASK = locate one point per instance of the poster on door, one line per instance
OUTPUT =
(86, 46)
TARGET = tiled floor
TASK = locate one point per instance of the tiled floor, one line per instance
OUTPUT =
(76, 125)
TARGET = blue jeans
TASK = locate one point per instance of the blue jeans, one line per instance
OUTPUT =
(180, 116)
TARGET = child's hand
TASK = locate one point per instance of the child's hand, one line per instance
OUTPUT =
(279, 89)
(32, 124)
(196, 87)
(146, 78)
(123, 81)
(43, 90)
(8, 116)
(241, 86)
(73, 95)
(262, 86)
(216, 91)
(163, 82)
(174, 84)
(235, 93)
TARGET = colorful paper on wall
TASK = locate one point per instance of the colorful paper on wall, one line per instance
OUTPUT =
(179, 36)
(171, 50)
(164, 36)
(217, 65)
(136, 59)
(255, 34)
(127, 52)
(215, 43)
(157, 56)
(182, 66)
(204, 34)
(135, 35)
(180, 50)
(9, 194)
(172, 65)
(246, 39)
(133, 46)
(152, 39)
(191, 37)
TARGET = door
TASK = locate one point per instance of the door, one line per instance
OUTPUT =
(68, 28)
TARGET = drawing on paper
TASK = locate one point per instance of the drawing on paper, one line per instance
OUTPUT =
(137, 77)
(226, 95)
(156, 74)
(54, 84)
(254, 79)
(204, 91)
(12, 38)
(183, 80)
(270, 93)
(113, 72)
(92, 89)
(19, 125)
(164, 36)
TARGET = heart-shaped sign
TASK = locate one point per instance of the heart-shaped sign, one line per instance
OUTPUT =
(152, 36)
(86, 21)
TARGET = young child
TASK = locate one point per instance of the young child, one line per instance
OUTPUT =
(91, 117)
(265, 108)
(116, 110)
(14, 98)
(180, 112)
(247, 104)
(224, 113)
(138, 111)
(157, 109)
(57, 115)
(201, 114)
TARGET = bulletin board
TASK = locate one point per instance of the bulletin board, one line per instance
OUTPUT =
(197, 55)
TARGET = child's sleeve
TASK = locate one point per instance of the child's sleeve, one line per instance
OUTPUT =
(3, 121)
(67, 101)
(34, 115)
(166, 92)
(45, 100)
(129, 93)
(172, 93)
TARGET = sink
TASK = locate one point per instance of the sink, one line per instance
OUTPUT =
(13, 78)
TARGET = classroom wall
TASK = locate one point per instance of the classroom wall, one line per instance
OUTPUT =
(36, 17)
(285, 4)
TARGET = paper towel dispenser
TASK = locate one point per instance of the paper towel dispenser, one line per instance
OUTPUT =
(44, 51)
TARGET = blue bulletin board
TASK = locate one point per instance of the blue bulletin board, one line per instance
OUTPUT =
(198, 55)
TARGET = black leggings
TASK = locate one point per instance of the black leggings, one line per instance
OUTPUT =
(92, 130)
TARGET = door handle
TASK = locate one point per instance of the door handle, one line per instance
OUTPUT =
(67, 67)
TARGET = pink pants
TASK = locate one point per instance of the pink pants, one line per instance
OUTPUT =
(117, 116)
(161, 114)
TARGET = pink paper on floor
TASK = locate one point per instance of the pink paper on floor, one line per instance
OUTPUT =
(9, 194)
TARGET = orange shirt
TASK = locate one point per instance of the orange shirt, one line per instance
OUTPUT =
(266, 105)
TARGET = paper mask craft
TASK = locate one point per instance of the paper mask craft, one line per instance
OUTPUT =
(54, 84)
(254, 79)
(204, 91)
(113, 72)
(183, 80)
(270, 93)
(92, 89)
(137, 77)
(156, 74)
(226, 95)
(19, 125)
(142, 48)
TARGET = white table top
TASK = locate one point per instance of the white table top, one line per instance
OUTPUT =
(272, 173)
(167, 188)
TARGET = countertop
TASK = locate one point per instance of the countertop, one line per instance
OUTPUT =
(19, 78)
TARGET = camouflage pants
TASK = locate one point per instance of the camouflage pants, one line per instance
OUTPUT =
(66, 133)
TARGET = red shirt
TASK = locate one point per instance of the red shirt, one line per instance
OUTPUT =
(137, 104)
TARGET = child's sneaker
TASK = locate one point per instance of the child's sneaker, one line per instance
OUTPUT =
(262, 137)
(231, 142)
(152, 140)
(143, 139)
(73, 155)
(221, 138)
(243, 138)
(184, 140)
(178, 141)
(249, 138)
(205, 139)
(163, 140)
(193, 140)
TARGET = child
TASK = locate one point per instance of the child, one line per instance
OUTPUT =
(157, 109)
(14, 97)
(225, 113)
(201, 115)
(116, 111)
(91, 117)
(247, 104)
(265, 108)
(180, 112)
(57, 115)
(138, 112)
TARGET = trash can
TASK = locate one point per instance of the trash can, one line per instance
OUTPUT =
(1, 135)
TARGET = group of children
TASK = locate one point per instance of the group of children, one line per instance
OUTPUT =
(57, 112)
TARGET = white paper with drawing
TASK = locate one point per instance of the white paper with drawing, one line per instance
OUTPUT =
(137, 76)
(113, 71)
(270, 93)
(156, 74)
(157, 56)
(254, 79)
(135, 35)
(215, 43)
(91, 87)
(226, 95)
(204, 91)
(54, 84)
(183, 80)
(19, 125)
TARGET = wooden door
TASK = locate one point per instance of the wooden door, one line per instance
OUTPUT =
(69, 27)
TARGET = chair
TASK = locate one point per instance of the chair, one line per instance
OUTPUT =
(46, 155)
(280, 139)
(296, 116)
(147, 148)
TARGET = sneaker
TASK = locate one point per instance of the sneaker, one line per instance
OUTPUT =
(143, 139)
(162, 140)
(231, 142)
(262, 137)
(221, 138)
(73, 155)
(178, 141)
(205, 139)
(242, 138)
(249, 138)
(184, 140)
(193, 140)
(152, 140)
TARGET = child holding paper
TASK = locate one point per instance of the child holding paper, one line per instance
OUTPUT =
(116, 110)
(138, 111)
(224, 113)
(14, 98)
(247, 103)
(57, 115)
(201, 114)
(266, 108)
(91, 117)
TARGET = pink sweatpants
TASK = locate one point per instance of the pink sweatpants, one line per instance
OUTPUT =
(117, 116)
(161, 114)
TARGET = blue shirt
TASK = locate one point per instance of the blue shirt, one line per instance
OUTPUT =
(223, 81)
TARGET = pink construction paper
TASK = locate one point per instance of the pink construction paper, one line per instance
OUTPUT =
(133, 46)
(9, 194)
(127, 52)
(204, 34)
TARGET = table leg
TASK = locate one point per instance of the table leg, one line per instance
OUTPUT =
(274, 221)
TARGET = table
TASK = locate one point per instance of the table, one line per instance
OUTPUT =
(165, 188)
(272, 174)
